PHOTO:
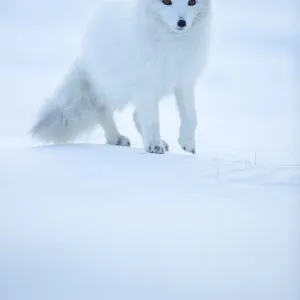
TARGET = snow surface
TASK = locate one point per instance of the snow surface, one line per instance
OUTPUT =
(91, 221)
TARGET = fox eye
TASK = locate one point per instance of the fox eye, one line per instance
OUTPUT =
(192, 2)
(167, 2)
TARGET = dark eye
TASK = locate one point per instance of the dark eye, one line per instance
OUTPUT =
(192, 2)
(167, 2)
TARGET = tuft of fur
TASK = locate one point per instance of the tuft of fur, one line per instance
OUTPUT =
(133, 52)
(72, 110)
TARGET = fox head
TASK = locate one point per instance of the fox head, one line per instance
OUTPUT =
(178, 15)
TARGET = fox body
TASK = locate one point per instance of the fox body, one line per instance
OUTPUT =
(133, 52)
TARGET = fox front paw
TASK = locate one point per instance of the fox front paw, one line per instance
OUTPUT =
(188, 145)
(156, 147)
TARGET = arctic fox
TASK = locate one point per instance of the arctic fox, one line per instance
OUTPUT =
(134, 51)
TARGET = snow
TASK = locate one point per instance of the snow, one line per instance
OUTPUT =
(92, 221)
(101, 222)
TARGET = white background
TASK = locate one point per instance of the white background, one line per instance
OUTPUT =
(97, 222)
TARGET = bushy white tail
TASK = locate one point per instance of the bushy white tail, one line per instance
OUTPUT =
(71, 111)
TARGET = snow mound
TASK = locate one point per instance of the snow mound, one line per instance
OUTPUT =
(104, 222)
(83, 170)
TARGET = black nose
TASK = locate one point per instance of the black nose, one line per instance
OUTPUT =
(181, 23)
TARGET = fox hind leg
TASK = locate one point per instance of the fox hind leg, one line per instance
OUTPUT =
(112, 134)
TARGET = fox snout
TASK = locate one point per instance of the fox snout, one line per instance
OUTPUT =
(181, 23)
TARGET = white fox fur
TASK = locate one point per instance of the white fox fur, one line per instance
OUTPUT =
(133, 52)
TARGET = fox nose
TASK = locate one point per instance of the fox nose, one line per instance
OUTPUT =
(181, 23)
